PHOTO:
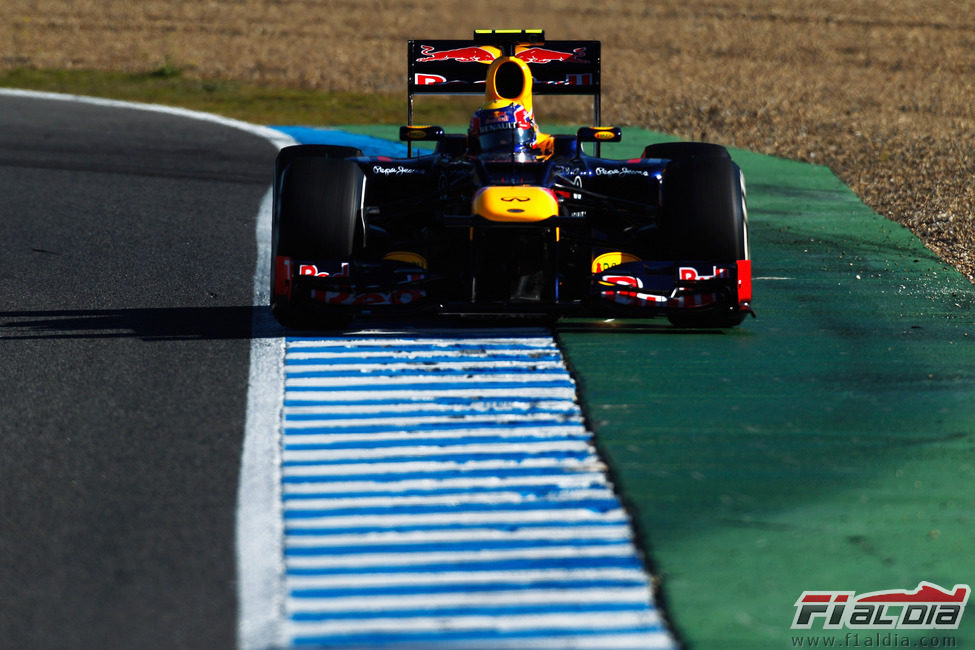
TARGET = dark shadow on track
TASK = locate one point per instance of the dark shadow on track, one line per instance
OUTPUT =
(229, 322)
(246, 322)
(149, 323)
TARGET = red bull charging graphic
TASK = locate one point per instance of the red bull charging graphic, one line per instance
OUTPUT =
(458, 66)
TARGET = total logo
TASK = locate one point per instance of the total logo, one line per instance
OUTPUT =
(928, 607)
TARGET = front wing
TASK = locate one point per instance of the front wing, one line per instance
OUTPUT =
(636, 289)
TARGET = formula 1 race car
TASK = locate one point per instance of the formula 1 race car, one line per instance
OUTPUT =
(505, 219)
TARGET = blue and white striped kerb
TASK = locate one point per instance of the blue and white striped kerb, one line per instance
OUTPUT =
(442, 491)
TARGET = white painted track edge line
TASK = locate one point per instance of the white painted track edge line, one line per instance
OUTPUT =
(275, 137)
(260, 565)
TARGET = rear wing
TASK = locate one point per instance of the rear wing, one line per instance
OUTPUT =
(458, 67)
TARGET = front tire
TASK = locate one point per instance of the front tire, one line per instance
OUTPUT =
(705, 218)
(318, 217)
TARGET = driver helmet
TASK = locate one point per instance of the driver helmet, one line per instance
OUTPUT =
(503, 129)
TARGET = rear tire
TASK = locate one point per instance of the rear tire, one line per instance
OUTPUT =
(318, 217)
(704, 218)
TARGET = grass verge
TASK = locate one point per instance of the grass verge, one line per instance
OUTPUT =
(255, 103)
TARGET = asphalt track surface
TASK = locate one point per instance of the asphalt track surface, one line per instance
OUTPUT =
(127, 253)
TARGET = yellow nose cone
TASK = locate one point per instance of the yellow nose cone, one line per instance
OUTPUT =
(516, 204)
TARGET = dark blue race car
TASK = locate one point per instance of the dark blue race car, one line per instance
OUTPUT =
(505, 219)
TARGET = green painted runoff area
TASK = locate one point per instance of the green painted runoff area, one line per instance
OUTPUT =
(828, 444)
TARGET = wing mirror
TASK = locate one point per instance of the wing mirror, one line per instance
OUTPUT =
(413, 134)
(420, 133)
(599, 135)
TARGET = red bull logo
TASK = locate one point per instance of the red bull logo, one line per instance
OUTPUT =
(487, 54)
(541, 55)
(691, 274)
(312, 269)
(470, 54)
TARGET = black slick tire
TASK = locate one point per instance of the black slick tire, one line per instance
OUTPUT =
(318, 217)
(704, 218)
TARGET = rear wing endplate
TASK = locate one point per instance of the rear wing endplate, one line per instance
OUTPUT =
(459, 67)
